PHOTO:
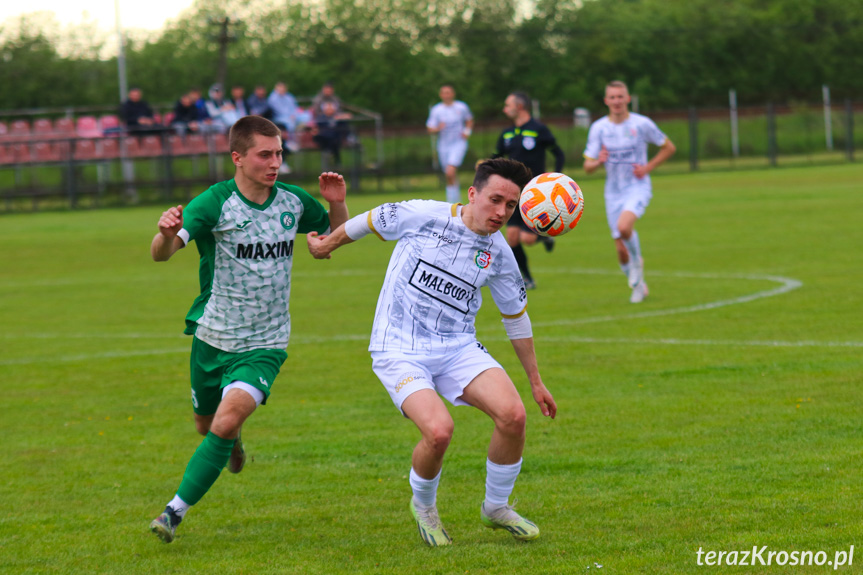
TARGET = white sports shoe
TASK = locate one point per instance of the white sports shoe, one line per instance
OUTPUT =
(429, 525)
(506, 518)
(639, 292)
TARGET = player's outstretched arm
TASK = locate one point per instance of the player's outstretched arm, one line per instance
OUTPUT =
(527, 356)
(333, 189)
(321, 247)
(166, 243)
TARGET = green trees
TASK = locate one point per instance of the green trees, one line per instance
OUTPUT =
(391, 55)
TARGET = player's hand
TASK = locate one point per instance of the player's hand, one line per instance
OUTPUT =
(640, 170)
(544, 399)
(332, 187)
(171, 222)
(316, 246)
(603, 155)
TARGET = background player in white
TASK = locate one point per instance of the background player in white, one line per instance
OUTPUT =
(452, 121)
(423, 339)
(244, 229)
(619, 141)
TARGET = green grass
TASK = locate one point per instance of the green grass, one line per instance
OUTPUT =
(712, 416)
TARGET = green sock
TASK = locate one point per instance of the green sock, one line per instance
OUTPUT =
(204, 467)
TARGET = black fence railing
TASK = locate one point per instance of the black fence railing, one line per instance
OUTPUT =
(66, 160)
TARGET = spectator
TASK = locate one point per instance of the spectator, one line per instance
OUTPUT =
(284, 107)
(221, 111)
(201, 104)
(186, 115)
(257, 103)
(238, 99)
(285, 115)
(136, 113)
(328, 94)
(330, 131)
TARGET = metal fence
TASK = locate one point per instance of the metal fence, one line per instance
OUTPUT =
(57, 163)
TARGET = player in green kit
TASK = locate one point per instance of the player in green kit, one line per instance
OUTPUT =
(244, 229)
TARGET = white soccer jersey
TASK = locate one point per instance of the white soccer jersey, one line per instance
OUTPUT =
(627, 145)
(431, 293)
(453, 117)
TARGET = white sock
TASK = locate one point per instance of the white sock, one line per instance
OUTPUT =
(625, 268)
(633, 247)
(453, 195)
(499, 483)
(425, 490)
(179, 506)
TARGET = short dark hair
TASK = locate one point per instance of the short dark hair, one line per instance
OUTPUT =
(523, 99)
(244, 130)
(511, 170)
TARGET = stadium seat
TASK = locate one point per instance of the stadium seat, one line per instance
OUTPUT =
(20, 129)
(45, 152)
(108, 148)
(143, 147)
(20, 152)
(110, 122)
(220, 143)
(86, 150)
(42, 127)
(7, 156)
(64, 127)
(131, 147)
(177, 145)
(151, 146)
(195, 144)
(4, 131)
(88, 127)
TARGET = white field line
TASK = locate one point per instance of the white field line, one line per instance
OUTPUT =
(786, 285)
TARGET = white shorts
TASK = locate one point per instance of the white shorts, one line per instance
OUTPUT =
(402, 374)
(635, 202)
(452, 154)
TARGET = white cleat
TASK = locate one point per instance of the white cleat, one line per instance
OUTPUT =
(639, 292)
(506, 518)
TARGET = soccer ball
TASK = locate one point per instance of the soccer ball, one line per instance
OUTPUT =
(551, 204)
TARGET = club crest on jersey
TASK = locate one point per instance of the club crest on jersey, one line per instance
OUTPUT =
(528, 143)
(288, 220)
(482, 259)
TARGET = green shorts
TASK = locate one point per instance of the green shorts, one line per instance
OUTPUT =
(212, 369)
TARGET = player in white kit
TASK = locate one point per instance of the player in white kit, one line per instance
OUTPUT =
(424, 342)
(619, 141)
(452, 121)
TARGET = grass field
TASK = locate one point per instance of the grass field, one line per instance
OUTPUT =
(722, 414)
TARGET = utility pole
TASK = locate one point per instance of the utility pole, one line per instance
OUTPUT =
(121, 53)
(224, 38)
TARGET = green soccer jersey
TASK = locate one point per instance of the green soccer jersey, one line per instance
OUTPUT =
(245, 268)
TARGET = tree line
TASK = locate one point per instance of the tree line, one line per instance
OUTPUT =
(392, 55)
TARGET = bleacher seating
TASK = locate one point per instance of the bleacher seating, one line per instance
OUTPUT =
(64, 127)
(20, 130)
(91, 138)
(88, 127)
